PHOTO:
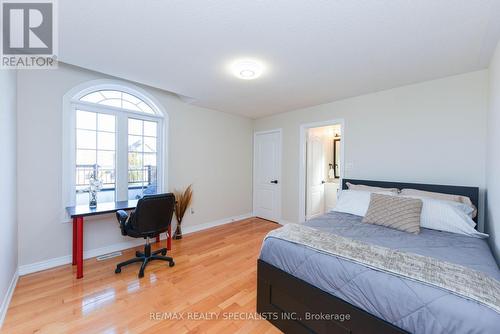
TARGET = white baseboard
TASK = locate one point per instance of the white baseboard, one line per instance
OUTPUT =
(44, 265)
(8, 296)
(201, 227)
(59, 261)
(62, 260)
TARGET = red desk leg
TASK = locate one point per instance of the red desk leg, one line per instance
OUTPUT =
(169, 237)
(74, 241)
(79, 247)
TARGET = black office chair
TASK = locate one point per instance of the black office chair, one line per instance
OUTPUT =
(151, 217)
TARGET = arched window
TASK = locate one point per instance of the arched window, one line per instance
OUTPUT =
(118, 99)
(116, 136)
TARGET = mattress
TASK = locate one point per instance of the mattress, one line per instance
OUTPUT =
(410, 305)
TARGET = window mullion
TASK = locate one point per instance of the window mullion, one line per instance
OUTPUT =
(143, 187)
(122, 158)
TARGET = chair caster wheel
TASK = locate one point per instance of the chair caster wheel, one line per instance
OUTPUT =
(118, 270)
(163, 252)
(171, 264)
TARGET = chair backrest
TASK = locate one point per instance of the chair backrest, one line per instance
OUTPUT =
(153, 214)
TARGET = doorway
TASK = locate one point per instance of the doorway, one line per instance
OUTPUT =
(321, 167)
(267, 175)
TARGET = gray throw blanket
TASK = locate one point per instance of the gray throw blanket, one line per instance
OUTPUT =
(459, 280)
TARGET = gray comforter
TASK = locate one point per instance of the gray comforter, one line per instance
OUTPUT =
(413, 306)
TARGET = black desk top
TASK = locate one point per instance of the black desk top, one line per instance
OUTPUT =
(102, 208)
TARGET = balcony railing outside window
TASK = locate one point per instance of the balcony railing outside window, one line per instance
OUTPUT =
(142, 181)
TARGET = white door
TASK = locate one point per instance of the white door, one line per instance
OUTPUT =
(267, 172)
(315, 205)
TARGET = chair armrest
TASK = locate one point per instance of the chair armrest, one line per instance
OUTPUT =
(122, 217)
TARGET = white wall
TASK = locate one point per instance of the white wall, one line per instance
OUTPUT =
(210, 149)
(8, 233)
(493, 157)
(432, 132)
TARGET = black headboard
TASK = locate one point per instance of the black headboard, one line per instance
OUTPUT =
(471, 192)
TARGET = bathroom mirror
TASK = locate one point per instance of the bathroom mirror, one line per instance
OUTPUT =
(336, 157)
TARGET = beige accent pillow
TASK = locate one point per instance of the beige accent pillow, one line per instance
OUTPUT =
(444, 197)
(361, 187)
(396, 212)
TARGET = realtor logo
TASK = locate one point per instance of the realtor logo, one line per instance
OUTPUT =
(28, 32)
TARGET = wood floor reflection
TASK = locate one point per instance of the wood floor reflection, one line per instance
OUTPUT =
(214, 276)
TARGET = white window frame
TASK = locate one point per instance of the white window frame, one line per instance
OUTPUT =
(72, 103)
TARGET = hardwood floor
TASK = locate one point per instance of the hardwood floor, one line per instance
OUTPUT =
(215, 272)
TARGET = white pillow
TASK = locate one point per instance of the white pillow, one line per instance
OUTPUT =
(355, 202)
(436, 214)
(447, 216)
(441, 196)
(440, 204)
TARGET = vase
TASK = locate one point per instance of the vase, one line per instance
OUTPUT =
(178, 232)
(92, 199)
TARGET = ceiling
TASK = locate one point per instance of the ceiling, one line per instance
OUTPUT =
(314, 51)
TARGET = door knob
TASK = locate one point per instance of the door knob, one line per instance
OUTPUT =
(323, 182)
(274, 181)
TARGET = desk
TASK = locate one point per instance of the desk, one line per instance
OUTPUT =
(79, 212)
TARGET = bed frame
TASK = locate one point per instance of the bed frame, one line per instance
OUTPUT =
(287, 301)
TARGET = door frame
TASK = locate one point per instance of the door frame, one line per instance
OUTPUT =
(280, 160)
(309, 187)
(302, 159)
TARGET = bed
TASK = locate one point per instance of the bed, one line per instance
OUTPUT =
(301, 290)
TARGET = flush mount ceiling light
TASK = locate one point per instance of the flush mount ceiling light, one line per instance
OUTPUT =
(247, 69)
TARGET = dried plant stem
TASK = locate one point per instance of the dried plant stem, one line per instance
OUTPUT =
(183, 201)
